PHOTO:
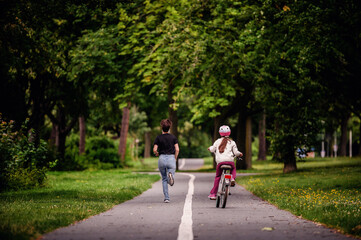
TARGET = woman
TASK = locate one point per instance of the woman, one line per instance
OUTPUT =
(166, 147)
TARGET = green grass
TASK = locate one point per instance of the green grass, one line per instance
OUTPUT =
(67, 198)
(144, 165)
(326, 190)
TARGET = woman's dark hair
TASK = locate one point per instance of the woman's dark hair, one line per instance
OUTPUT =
(223, 144)
(165, 124)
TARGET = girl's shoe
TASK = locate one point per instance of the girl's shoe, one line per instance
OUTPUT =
(233, 182)
(166, 201)
(170, 179)
(212, 196)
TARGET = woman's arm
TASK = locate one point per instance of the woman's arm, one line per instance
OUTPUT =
(155, 150)
(176, 146)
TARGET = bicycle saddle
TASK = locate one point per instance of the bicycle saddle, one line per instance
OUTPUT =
(226, 167)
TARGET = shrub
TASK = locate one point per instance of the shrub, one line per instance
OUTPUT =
(109, 155)
(193, 152)
(23, 163)
(100, 153)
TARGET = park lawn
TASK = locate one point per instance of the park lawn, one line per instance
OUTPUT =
(68, 197)
(144, 165)
(326, 190)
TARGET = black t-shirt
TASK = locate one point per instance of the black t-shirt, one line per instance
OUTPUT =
(166, 143)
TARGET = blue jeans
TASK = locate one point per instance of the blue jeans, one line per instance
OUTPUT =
(166, 163)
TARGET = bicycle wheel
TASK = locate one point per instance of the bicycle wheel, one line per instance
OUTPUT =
(220, 191)
(225, 195)
(218, 201)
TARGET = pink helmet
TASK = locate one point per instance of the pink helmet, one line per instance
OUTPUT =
(224, 131)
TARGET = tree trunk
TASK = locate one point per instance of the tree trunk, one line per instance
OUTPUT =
(37, 109)
(343, 143)
(61, 132)
(359, 147)
(174, 118)
(123, 133)
(262, 138)
(289, 161)
(174, 128)
(147, 145)
(216, 124)
(248, 153)
(61, 146)
(61, 127)
(241, 139)
(54, 135)
(329, 137)
(172, 113)
(290, 167)
(82, 135)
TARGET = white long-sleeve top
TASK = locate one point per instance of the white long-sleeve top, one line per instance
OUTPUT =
(230, 152)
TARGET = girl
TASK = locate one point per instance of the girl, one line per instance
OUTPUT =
(167, 148)
(225, 150)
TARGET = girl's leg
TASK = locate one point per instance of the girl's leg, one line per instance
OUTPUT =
(163, 171)
(219, 173)
(216, 179)
(171, 165)
(233, 171)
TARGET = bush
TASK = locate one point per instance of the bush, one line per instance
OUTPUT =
(24, 178)
(193, 152)
(109, 155)
(23, 164)
(100, 153)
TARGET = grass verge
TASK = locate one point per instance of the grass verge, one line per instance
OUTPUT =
(144, 165)
(324, 190)
(67, 198)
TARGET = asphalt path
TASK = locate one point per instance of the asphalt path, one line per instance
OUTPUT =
(190, 163)
(191, 215)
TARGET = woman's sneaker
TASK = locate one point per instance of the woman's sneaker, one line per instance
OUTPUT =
(170, 179)
(212, 196)
(166, 201)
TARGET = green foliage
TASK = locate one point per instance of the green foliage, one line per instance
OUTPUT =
(298, 60)
(289, 86)
(138, 122)
(24, 178)
(23, 163)
(193, 143)
(193, 151)
(100, 153)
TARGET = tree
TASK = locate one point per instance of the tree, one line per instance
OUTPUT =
(47, 31)
(289, 83)
(262, 137)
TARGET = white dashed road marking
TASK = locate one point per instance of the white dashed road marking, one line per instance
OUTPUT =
(185, 231)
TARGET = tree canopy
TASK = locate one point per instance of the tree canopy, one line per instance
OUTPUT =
(205, 62)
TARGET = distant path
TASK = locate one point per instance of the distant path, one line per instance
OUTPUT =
(190, 163)
(191, 215)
